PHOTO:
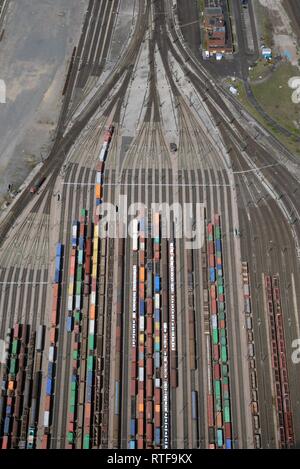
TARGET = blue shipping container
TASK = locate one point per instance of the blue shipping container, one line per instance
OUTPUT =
(50, 369)
(90, 378)
(142, 307)
(218, 245)
(89, 393)
(8, 409)
(212, 274)
(81, 242)
(69, 323)
(57, 263)
(157, 284)
(74, 242)
(131, 444)
(194, 405)
(59, 250)
(57, 277)
(117, 400)
(132, 427)
(228, 444)
(98, 202)
(157, 436)
(156, 315)
(49, 387)
(6, 425)
(74, 379)
(156, 347)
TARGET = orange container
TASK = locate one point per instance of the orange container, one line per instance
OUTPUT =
(92, 311)
(52, 335)
(142, 274)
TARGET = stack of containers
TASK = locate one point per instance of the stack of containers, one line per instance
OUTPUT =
(141, 328)
(157, 323)
(172, 314)
(223, 370)
(132, 440)
(12, 369)
(88, 255)
(19, 391)
(101, 162)
(71, 289)
(91, 341)
(49, 388)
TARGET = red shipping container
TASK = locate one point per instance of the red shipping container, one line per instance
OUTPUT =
(87, 410)
(221, 298)
(53, 317)
(210, 410)
(149, 410)
(149, 367)
(47, 403)
(149, 387)
(94, 284)
(216, 354)
(71, 427)
(149, 305)
(211, 260)
(140, 442)
(55, 290)
(213, 292)
(157, 420)
(157, 395)
(99, 166)
(149, 433)
(132, 387)
(156, 256)
(227, 430)
(219, 421)
(222, 324)
(140, 427)
(142, 291)
(88, 248)
(54, 303)
(210, 228)
(142, 256)
(81, 230)
(213, 307)
(210, 247)
(217, 371)
(44, 444)
(133, 354)
(16, 331)
(149, 344)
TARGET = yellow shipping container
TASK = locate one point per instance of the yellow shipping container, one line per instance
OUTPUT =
(141, 407)
(141, 341)
(96, 232)
(94, 271)
(142, 274)
(157, 408)
(11, 385)
(71, 288)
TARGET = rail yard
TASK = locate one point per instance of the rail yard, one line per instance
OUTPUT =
(149, 272)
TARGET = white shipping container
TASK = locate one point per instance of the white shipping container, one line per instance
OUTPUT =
(70, 303)
(77, 301)
(134, 242)
(91, 326)
(102, 154)
(214, 322)
(46, 418)
(74, 231)
(93, 298)
(98, 178)
(142, 246)
(51, 353)
(142, 323)
(141, 374)
(157, 301)
(157, 382)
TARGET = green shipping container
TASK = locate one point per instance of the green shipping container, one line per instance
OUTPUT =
(79, 273)
(72, 409)
(226, 414)
(221, 307)
(223, 354)
(220, 281)
(220, 290)
(83, 212)
(219, 254)
(14, 350)
(221, 315)
(215, 336)
(73, 386)
(220, 438)
(78, 288)
(13, 366)
(91, 341)
(225, 380)
(224, 371)
(73, 398)
(218, 405)
(90, 363)
(217, 232)
(210, 237)
(217, 388)
(75, 354)
(223, 340)
(86, 442)
(70, 437)
(77, 316)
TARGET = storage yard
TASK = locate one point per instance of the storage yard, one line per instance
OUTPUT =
(149, 280)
